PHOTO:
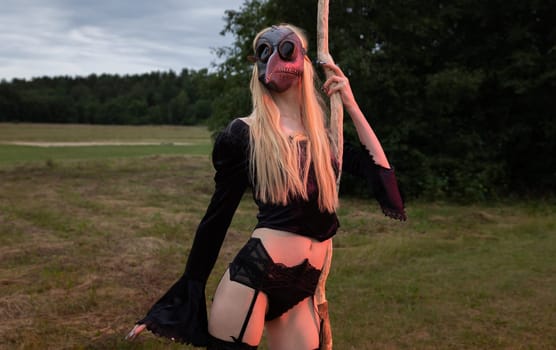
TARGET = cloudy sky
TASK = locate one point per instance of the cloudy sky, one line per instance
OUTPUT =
(80, 37)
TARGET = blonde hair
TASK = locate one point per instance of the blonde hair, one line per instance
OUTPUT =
(276, 162)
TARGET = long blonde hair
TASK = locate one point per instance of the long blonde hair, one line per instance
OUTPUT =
(276, 162)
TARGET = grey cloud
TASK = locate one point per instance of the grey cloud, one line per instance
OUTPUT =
(66, 37)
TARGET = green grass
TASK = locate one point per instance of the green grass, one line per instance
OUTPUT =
(10, 154)
(35, 132)
(87, 245)
(474, 277)
(161, 140)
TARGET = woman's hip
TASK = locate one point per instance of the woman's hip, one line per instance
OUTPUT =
(292, 249)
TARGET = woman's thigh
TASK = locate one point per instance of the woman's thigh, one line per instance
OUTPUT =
(229, 311)
(297, 329)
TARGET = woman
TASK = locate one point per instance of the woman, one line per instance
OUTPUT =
(283, 151)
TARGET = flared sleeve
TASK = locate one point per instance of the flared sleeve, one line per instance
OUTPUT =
(181, 313)
(381, 181)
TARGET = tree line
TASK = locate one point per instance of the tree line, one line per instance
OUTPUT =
(459, 92)
(150, 98)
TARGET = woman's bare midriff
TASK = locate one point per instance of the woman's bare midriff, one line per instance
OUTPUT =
(291, 249)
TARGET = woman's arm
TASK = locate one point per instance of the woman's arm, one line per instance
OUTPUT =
(371, 163)
(340, 83)
(180, 314)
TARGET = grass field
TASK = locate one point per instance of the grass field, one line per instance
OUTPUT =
(26, 142)
(89, 242)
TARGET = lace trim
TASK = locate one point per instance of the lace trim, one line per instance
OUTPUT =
(180, 315)
(394, 214)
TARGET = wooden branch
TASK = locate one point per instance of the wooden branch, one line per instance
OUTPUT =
(336, 106)
(337, 131)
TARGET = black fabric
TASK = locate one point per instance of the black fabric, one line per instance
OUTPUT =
(381, 181)
(300, 216)
(229, 158)
(219, 344)
(180, 314)
(284, 286)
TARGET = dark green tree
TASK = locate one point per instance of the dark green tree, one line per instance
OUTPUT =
(458, 92)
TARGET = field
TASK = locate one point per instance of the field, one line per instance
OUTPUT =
(91, 235)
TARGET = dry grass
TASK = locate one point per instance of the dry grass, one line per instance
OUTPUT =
(86, 247)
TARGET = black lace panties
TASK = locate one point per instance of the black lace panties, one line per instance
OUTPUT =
(284, 286)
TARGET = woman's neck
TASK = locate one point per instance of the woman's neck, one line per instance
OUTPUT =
(289, 105)
(289, 101)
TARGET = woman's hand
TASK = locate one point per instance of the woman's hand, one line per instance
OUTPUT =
(339, 83)
(134, 333)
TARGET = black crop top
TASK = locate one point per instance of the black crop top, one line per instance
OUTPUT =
(181, 312)
(299, 216)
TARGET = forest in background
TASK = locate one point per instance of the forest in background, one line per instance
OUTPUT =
(150, 98)
(460, 93)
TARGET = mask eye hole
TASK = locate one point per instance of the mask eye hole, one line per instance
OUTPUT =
(286, 50)
(263, 52)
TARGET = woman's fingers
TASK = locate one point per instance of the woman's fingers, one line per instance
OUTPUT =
(335, 83)
(135, 331)
(338, 83)
(332, 80)
(334, 68)
(336, 87)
